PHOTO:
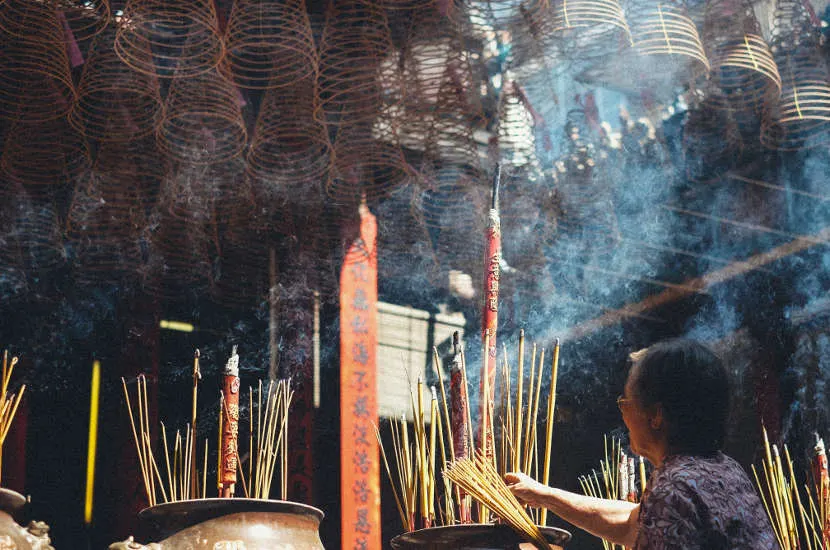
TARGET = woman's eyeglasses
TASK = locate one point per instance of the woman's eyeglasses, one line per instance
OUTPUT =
(623, 401)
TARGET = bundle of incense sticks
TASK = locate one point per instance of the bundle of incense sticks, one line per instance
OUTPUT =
(616, 480)
(175, 475)
(410, 465)
(479, 478)
(10, 402)
(797, 522)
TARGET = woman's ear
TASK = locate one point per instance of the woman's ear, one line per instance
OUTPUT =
(656, 420)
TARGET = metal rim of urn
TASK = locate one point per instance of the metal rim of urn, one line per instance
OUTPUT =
(171, 517)
(11, 502)
(489, 535)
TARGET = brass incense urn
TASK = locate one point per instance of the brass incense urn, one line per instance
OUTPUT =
(34, 536)
(229, 524)
(476, 536)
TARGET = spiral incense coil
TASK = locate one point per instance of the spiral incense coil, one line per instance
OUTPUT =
(106, 220)
(240, 277)
(170, 38)
(133, 165)
(179, 258)
(588, 29)
(449, 138)
(13, 281)
(453, 206)
(34, 58)
(184, 223)
(289, 145)
(356, 38)
(746, 72)
(115, 103)
(743, 67)
(712, 143)
(86, 19)
(664, 30)
(516, 138)
(269, 44)
(45, 153)
(403, 236)
(203, 121)
(35, 226)
(802, 116)
(367, 162)
(104, 225)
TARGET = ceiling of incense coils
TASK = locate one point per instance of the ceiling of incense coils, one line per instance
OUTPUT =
(179, 143)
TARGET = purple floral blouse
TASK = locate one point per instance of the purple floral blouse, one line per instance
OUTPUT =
(705, 503)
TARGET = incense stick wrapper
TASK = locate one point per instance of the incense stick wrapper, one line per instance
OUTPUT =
(460, 414)
(230, 427)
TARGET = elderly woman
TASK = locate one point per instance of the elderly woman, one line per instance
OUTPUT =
(675, 406)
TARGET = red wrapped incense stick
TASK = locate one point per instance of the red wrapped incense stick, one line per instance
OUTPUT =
(490, 319)
(460, 427)
(230, 426)
(822, 481)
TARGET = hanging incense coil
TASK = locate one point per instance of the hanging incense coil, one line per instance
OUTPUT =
(115, 103)
(743, 68)
(403, 236)
(368, 162)
(712, 143)
(537, 52)
(356, 38)
(665, 29)
(13, 281)
(663, 36)
(485, 16)
(453, 206)
(44, 153)
(450, 135)
(34, 227)
(33, 58)
(516, 137)
(105, 224)
(86, 19)
(240, 274)
(802, 116)
(588, 29)
(203, 121)
(181, 241)
(170, 39)
(289, 146)
(269, 44)
(137, 164)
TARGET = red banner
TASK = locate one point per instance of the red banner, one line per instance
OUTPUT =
(359, 453)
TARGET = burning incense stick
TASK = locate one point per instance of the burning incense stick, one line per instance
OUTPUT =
(549, 424)
(197, 375)
(10, 402)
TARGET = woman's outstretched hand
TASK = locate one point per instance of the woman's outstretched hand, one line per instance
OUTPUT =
(526, 489)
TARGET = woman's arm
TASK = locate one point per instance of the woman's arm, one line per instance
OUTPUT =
(612, 520)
